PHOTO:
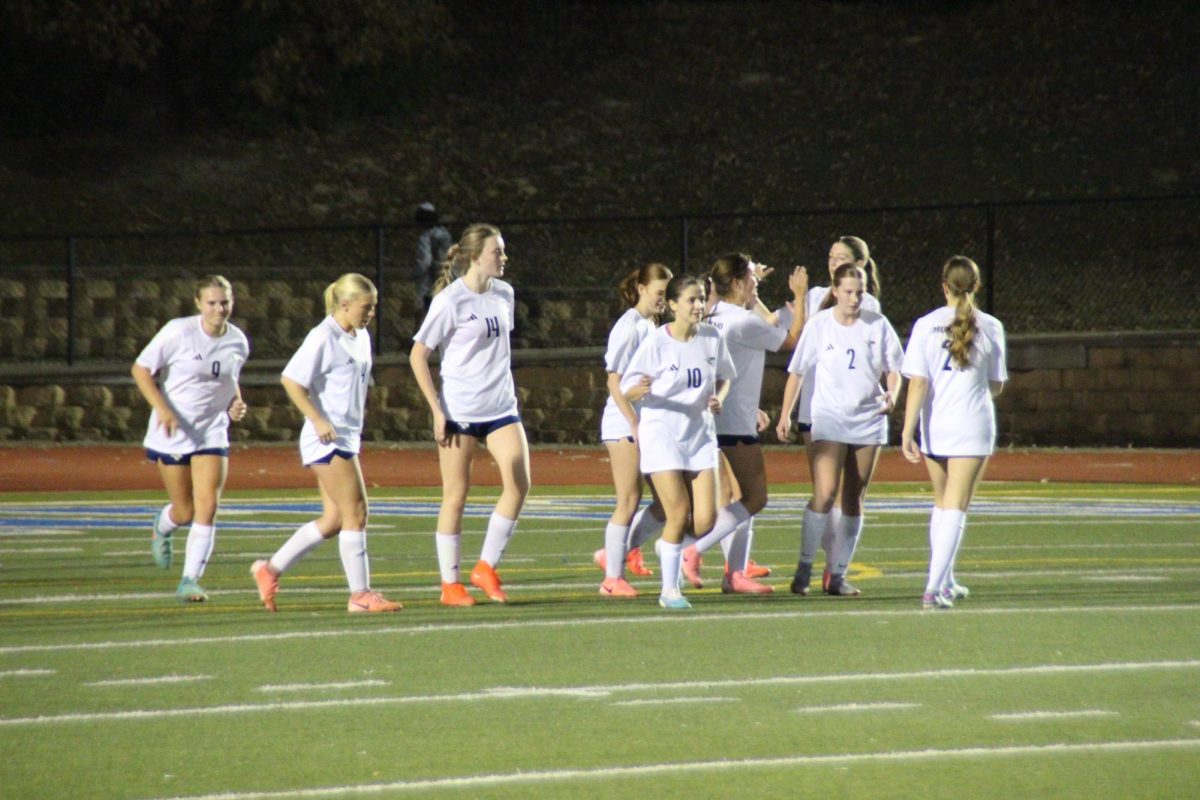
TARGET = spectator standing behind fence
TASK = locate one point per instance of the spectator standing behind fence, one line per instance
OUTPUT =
(846, 250)
(197, 361)
(469, 324)
(327, 381)
(749, 334)
(686, 367)
(432, 244)
(642, 291)
(955, 364)
(851, 350)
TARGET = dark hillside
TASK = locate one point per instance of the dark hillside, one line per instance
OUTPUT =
(611, 108)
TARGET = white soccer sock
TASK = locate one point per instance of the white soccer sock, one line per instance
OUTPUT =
(164, 525)
(499, 531)
(941, 550)
(728, 518)
(811, 531)
(447, 553)
(739, 547)
(959, 533)
(643, 527)
(306, 539)
(352, 546)
(845, 542)
(614, 550)
(200, 540)
(670, 556)
(829, 536)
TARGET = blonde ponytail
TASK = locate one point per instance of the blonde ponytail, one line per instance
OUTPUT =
(960, 276)
(347, 287)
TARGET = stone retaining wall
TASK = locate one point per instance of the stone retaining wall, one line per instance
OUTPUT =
(1131, 389)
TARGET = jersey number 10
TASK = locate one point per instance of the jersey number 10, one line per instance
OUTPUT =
(694, 380)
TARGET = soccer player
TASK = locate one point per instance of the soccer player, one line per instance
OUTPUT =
(685, 365)
(469, 323)
(849, 350)
(955, 364)
(327, 381)
(749, 334)
(642, 291)
(846, 250)
(197, 361)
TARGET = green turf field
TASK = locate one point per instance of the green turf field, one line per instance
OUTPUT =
(1073, 670)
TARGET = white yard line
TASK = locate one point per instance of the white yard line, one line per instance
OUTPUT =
(601, 691)
(25, 673)
(730, 617)
(162, 679)
(27, 550)
(1038, 716)
(585, 776)
(853, 707)
(1130, 574)
(670, 701)
(316, 687)
(1122, 578)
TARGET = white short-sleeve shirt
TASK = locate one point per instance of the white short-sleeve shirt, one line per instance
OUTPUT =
(335, 367)
(471, 332)
(627, 333)
(812, 302)
(847, 362)
(958, 417)
(198, 376)
(675, 427)
(748, 337)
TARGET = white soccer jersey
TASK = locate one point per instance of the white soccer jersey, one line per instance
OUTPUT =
(335, 367)
(675, 427)
(812, 302)
(958, 417)
(623, 340)
(470, 332)
(847, 362)
(748, 337)
(197, 375)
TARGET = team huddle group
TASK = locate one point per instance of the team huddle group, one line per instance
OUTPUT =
(682, 413)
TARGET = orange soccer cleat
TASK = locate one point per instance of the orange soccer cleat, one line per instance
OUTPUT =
(484, 577)
(455, 594)
(267, 581)
(370, 601)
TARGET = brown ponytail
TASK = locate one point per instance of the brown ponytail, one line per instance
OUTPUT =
(725, 270)
(863, 253)
(627, 289)
(459, 256)
(841, 272)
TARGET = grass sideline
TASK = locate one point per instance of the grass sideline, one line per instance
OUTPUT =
(1069, 672)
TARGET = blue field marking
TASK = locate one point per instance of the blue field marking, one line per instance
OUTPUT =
(15, 517)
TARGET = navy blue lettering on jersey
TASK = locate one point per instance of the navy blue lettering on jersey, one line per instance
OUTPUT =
(949, 357)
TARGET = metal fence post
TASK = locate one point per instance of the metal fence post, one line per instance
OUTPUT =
(683, 258)
(70, 300)
(379, 258)
(989, 261)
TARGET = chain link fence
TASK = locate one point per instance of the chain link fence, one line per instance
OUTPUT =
(1050, 266)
